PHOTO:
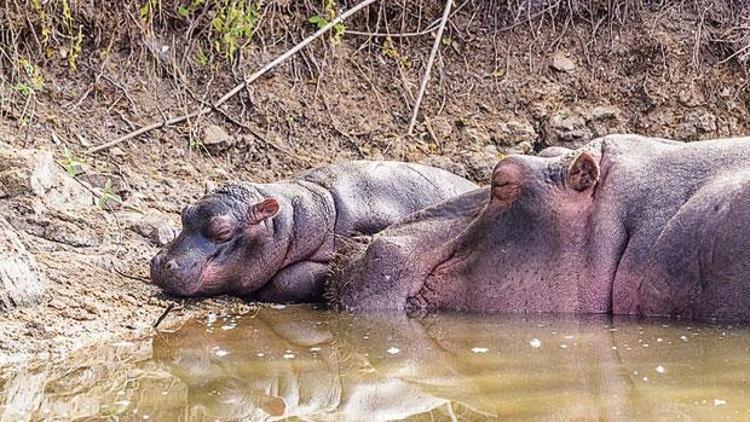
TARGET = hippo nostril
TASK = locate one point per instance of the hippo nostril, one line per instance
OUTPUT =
(172, 265)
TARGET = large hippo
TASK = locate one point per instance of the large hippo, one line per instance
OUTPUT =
(625, 225)
(275, 241)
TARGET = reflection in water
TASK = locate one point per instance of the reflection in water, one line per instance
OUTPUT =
(318, 365)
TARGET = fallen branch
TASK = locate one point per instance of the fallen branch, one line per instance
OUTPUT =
(240, 86)
(433, 54)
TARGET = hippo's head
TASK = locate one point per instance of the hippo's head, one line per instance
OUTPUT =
(515, 254)
(223, 234)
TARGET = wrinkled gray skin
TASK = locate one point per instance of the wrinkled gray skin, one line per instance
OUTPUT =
(275, 241)
(625, 225)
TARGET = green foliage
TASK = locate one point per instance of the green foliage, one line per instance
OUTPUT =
(234, 25)
(186, 10)
(107, 195)
(32, 78)
(389, 50)
(147, 9)
(337, 32)
(70, 163)
(75, 50)
(200, 57)
(41, 14)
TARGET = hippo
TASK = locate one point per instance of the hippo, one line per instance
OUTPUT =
(625, 225)
(274, 242)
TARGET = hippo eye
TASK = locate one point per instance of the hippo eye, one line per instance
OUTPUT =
(219, 230)
(222, 235)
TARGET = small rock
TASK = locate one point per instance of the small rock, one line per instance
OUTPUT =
(155, 226)
(35, 173)
(511, 132)
(568, 128)
(209, 186)
(216, 139)
(562, 63)
(477, 135)
(442, 126)
(69, 234)
(698, 123)
(603, 113)
(524, 147)
(605, 120)
(481, 163)
(117, 184)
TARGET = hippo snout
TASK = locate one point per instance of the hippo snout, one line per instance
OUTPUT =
(168, 274)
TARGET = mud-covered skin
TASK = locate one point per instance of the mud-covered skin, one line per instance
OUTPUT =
(275, 241)
(625, 225)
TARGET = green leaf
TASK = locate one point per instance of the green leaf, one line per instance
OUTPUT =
(318, 21)
(183, 11)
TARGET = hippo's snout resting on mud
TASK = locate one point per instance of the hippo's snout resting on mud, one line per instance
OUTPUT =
(626, 225)
(276, 240)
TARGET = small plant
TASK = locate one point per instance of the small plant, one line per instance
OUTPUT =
(201, 58)
(75, 50)
(389, 50)
(186, 10)
(319, 21)
(23, 89)
(33, 78)
(107, 195)
(70, 163)
(146, 11)
(42, 15)
(234, 25)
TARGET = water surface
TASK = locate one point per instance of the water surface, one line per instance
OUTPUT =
(317, 365)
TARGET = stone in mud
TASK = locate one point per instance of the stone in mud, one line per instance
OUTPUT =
(35, 173)
(562, 63)
(21, 281)
(216, 139)
(569, 129)
(696, 124)
(480, 163)
(155, 227)
(604, 120)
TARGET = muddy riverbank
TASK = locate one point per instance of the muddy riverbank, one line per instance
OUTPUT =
(506, 81)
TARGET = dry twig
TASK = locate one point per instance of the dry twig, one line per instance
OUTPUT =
(433, 54)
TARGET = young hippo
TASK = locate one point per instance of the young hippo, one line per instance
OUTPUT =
(625, 225)
(275, 241)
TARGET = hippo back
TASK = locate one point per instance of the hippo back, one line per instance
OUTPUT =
(371, 195)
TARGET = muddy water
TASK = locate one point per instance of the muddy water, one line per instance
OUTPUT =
(317, 365)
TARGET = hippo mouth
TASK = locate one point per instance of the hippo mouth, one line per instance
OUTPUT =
(426, 298)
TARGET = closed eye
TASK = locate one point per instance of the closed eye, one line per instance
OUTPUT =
(222, 236)
(219, 230)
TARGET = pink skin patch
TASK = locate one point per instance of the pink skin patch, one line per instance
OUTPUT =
(210, 277)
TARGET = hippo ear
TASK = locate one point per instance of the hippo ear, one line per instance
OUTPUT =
(584, 172)
(506, 181)
(263, 210)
